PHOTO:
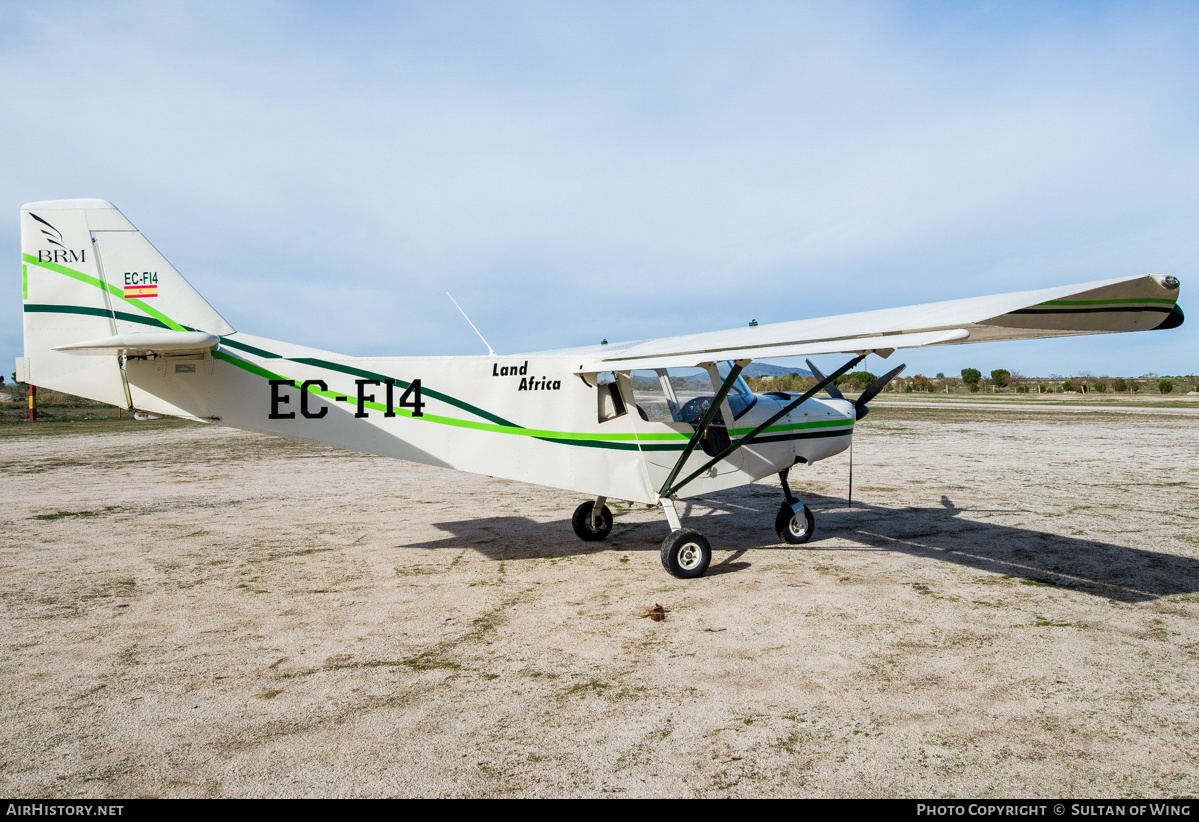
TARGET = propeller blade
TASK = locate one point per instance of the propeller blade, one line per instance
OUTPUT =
(831, 388)
(872, 392)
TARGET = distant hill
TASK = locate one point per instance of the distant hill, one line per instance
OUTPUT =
(765, 369)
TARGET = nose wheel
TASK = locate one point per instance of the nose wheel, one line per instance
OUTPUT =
(794, 522)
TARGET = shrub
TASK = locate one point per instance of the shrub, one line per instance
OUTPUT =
(1165, 386)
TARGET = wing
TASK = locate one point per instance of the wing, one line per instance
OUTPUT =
(1107, 306)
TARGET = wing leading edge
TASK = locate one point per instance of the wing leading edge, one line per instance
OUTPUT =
(1104, 307)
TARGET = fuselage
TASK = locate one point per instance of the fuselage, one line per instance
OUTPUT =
(524, 417)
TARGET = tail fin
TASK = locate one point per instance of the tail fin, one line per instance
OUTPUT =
(89, 276)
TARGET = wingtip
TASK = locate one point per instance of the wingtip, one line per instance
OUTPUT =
(1174, 319)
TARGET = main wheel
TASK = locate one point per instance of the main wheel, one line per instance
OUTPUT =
(581, 522)
(686, 554)
(794, 528)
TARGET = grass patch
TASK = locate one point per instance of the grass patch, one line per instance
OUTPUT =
(430, 661)
(1042, 622)
(64, 515)
(594, 686)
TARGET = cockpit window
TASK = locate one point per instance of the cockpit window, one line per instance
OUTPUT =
(674, 394)
(649, 392)
(693, 393)
(611, 403)
(741, 399)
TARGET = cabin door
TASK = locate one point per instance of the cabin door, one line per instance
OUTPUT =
(670, 403)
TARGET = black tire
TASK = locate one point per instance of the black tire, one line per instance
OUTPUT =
(581, 522)
(793, 528)
(686, 554)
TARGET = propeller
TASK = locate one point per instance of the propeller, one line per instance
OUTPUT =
(831, 388)
(872, 392)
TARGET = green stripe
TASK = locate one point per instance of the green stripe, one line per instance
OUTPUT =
(617, 441)
(807, 435)
(112, 289)
(24, 281)
(669, 441)
(795, 426)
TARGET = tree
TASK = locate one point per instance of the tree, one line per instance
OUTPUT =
(1165, 386)
(1120, 385)
(857, 380)
(1134, 386)
(999, 377)
(971, 376)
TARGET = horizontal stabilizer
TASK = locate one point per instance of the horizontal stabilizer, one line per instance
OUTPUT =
(146, 343)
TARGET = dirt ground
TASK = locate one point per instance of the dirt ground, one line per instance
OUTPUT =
(1010, 610)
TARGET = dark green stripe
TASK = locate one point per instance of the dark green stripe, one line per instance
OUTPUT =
(794, 435)
(1105, 310)
(36, 308)
(806, 435)
(619, 446)
(261, 352)
(150, 321)
(371, 375)
(345, 369)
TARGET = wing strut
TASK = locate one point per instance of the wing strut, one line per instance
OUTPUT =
(712, 411)
(752, 435)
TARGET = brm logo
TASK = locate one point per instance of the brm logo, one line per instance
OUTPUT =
(62, 254)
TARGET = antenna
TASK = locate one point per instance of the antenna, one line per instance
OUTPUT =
(490, 350)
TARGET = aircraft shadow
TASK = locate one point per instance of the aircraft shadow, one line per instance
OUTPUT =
(742, 522)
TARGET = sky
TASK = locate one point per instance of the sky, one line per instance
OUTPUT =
(324, 173)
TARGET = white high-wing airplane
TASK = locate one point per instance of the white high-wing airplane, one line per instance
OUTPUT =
(107, 317)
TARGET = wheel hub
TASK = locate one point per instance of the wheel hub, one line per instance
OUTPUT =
(689, 556)
(796, 528)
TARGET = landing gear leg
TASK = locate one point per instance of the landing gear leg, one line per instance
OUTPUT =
(794, 522)
(686, 554)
